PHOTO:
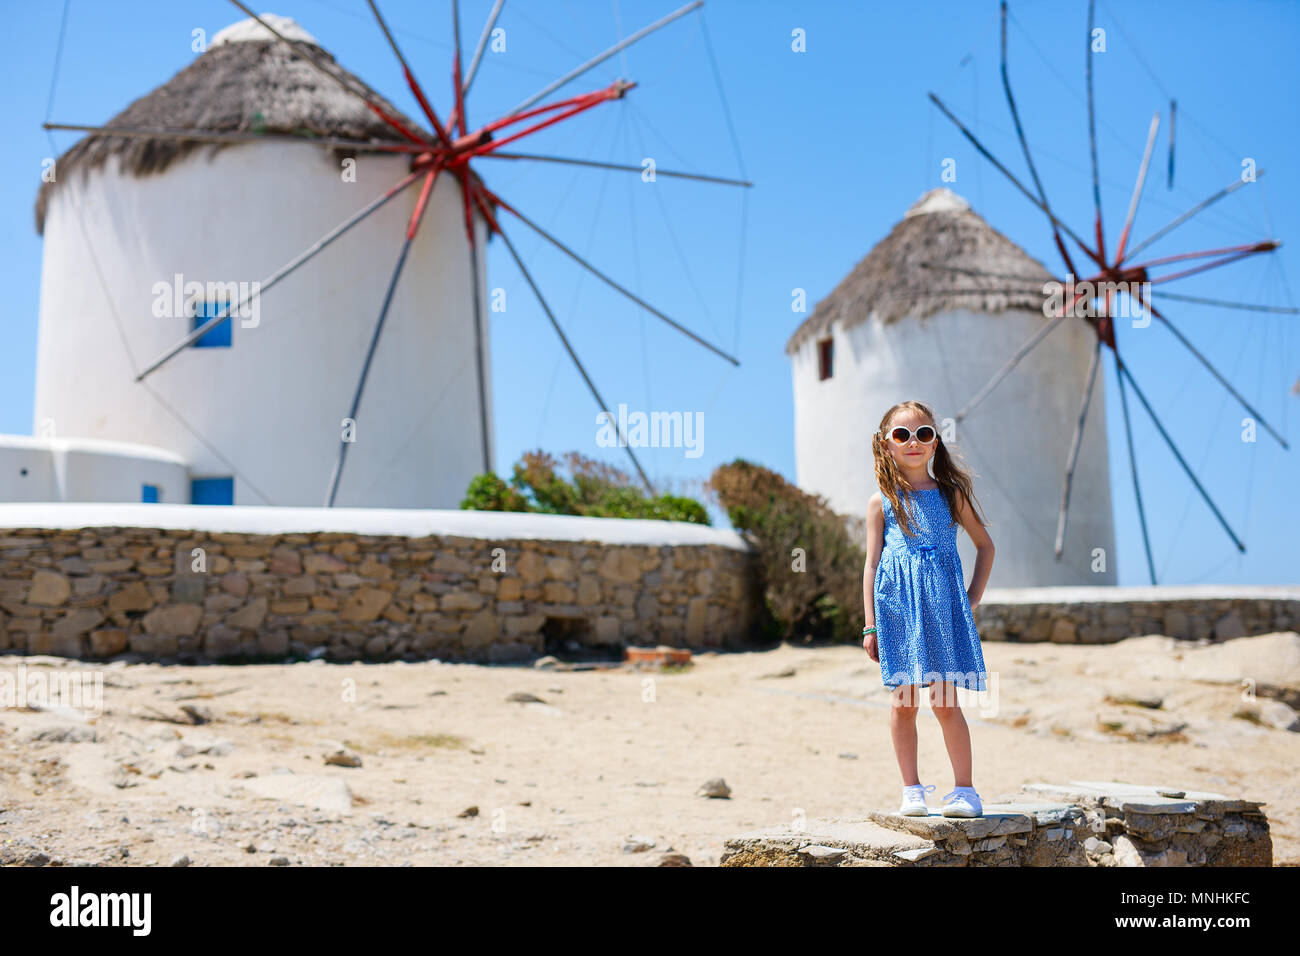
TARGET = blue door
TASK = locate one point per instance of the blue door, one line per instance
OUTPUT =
(212, 491)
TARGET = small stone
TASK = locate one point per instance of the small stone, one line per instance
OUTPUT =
(468, 812)
(523, 697)
(133, 596)
(279, 861)
(827, 854)
(546, 663)
(717, 788)
(196, 713)
(364, 604)
(173, 619)
(49, 589)
(107, 642)
(180, 860)
(638, 844)
(918, 853)
(343, 758)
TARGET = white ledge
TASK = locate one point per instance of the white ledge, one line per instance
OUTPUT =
(1129, 595)
(405, 522)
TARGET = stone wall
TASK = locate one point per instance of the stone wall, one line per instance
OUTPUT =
(1078, 824)
(1103, 615)
(101, 591)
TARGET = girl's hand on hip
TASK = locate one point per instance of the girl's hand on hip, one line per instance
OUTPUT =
(869, 645)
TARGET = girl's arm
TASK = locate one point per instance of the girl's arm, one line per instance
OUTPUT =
(983, 551)
(875, 543)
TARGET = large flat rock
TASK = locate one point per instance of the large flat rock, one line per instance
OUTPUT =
(1081, 823)
(319, 791)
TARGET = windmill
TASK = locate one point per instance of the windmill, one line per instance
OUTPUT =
(447, 150)
(1123, 272)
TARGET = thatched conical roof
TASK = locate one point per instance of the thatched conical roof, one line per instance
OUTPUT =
(894, 281)
(246, 81)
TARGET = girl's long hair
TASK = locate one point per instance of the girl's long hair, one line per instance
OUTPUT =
(953, 478)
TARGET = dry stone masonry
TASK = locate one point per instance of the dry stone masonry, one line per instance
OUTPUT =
(1083, 823)
(101, 591)
(1103, 615)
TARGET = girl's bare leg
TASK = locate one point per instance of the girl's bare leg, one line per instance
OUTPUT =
(902, 727)
(956, 734)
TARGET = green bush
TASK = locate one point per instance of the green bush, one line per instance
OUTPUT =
(593, 488)
(487, 492)
(812, 570)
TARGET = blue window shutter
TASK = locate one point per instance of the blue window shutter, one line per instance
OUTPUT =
(212, 491)
(149, 494)
(215, 338)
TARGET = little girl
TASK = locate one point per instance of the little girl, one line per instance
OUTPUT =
(920, 629)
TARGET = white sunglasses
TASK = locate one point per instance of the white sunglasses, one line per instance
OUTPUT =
(902, 435)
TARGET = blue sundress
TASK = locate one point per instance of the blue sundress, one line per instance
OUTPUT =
(925, 631)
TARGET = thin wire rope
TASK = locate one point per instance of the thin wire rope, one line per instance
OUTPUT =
(517, 10)
(1246, 231)
(744, 174)
(1189, 495)
(1210, 441)
(686, 165)
(518, 278)
(586, 252)
(591, 41)
(672, 235)
(1048, 542)
(662, 76)
(1137, 53)
(408, 443)
(58, 60)
(573, 181)
(979, 167)
(618, 37)
(646, 379)
(1115, 135)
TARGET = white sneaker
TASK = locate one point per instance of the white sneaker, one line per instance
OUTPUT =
(962, 802)
(914, 801)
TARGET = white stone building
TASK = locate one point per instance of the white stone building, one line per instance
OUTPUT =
(253, 412)
(904, 324)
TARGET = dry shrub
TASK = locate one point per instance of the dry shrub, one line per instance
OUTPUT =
(812, 569)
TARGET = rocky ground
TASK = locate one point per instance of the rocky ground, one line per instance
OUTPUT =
(314, 763)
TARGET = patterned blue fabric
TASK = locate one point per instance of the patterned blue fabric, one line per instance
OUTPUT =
(925, 631)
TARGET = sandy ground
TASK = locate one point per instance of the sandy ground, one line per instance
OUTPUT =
(606, 755)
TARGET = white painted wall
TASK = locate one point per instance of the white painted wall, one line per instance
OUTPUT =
(491, 526)
(269, 408)
(1016, 441)
(62, 469)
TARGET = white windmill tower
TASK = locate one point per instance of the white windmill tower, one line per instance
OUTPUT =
(894, 330)
(142, 231)
(148, 237)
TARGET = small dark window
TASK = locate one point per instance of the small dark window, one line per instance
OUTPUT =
(824, 355)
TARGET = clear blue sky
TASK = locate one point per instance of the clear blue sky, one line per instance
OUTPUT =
(839, 141)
